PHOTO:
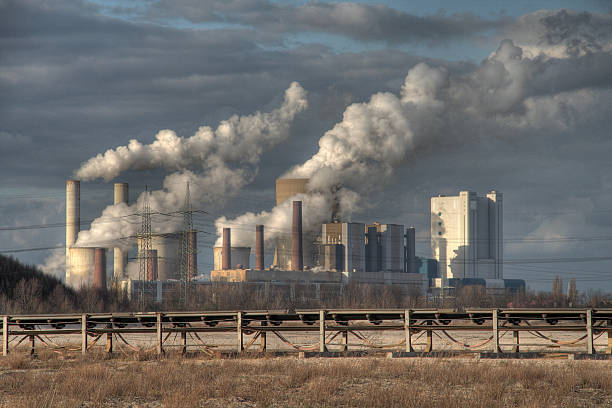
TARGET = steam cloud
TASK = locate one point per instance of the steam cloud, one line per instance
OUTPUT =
(508, 92)
(228, 156)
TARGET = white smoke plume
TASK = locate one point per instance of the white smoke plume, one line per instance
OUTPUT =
(434, 109)
(220, 161)
(55, 264)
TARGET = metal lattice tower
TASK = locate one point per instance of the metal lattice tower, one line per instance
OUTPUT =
(187, 249)
(144, 250)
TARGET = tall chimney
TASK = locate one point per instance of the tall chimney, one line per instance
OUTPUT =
(99, 281)
(226, 250)
(192, 257)
(151, 259)
(120, 256)
(297, 258)
(73, 216)
(259, 247)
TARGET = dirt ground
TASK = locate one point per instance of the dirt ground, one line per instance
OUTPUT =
(143, 380)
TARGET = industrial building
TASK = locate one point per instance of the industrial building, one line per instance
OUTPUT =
(467, 242)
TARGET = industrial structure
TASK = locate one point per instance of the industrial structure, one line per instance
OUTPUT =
(467, 239)
(466, 244)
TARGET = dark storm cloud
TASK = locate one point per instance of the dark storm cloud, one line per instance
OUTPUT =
(358, 21)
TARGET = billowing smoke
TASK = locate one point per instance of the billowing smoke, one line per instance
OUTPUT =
(434, 109)
(222, 161)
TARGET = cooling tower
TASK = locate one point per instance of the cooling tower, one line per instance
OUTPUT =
(168, 247)
(73, 217)
(80, 269)
(240, 256)
(120, 257)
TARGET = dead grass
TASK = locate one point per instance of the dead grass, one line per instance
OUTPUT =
(51, 381)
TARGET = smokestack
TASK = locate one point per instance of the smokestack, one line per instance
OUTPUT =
(297, 258)
(226, 250)
(73, 216)
(192, 257)
(120, 256)
(410, 250)
(259, 247)
(99, 281)
(151, 258)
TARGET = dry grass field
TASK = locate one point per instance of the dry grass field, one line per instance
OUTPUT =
(145, 381)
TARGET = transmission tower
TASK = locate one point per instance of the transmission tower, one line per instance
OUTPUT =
(144, 249)
(187, 248)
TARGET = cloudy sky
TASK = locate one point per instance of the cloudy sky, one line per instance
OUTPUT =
(395, 101)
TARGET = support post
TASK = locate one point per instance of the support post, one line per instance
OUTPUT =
(239, 332)
(160, 335)
(408, 334)
(5, 336)
(32, 345)
(262, 342)
(83, 334)
(345, 335)
(429, 344)
(184, 339)
(495, 321)
(589, 330)
(109, 339)
(609, 349)
(515, 340)
(322, 347)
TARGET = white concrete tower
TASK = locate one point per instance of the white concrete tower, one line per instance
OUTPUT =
(73, 217)
(120, 255)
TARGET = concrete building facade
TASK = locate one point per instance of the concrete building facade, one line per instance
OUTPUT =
(467, 235)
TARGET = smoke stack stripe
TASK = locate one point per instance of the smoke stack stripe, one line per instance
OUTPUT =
(120, 257)
(226, 250)
(259, 247)
(297, 258)
(99, 281)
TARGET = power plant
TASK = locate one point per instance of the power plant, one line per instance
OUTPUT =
(466, 244)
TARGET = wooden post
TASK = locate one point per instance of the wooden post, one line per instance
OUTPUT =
(184, 339)
(407, 331)
(429, 345)
(109, 339)
(589, 329)
(515, 340)
(5, 336)
(160, 334)
(239, 332)
(495, 322)
(83, 334)
(262, 342)
(345, 335)
(322, 347)
(32, 344)
(609, 349)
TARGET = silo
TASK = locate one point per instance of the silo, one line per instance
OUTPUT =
(240, 256)
(80, 269)
(168, 247)
(73, 217)
(120, 257)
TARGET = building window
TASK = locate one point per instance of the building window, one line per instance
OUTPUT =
(439, 214)
(439, 223)
(439, 232)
